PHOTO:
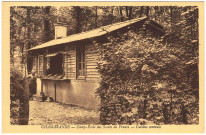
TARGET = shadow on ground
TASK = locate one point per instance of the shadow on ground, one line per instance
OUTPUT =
(41, 113)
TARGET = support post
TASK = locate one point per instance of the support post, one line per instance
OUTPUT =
(42, 96)
(55, 92)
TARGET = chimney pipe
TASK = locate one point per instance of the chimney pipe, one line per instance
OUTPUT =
(60, 30)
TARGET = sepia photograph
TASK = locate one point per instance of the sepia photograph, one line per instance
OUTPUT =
(104, 66)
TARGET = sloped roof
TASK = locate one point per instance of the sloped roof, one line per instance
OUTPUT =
(88, 34)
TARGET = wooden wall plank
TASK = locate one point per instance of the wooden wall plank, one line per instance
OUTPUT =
(70, 61)
(92, 56)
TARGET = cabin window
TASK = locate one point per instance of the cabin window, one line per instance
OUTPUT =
(34, 64)
(55, 64)
(41, 64)
(80, 52)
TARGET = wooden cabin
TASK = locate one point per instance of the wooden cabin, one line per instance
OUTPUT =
(66, 67)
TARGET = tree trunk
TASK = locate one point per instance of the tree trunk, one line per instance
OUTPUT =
(112, 16)
(46, 24)
(77, 12)
(28, 21)
(28, 46)
(130, 13)
(127, 12)
(171, 15)
(121, 16)
(96, 16)
(141, 11)
(155, 15)
(147, 11)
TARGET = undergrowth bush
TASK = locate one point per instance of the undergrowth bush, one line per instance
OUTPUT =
(19, 98)
(145, 81)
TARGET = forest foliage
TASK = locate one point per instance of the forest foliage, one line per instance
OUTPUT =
(142, 78)
(19, 98)
(34, 25)
(147, 81)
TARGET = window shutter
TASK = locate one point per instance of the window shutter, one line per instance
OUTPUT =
(44, 65)
(80, 52)
(34, 62)
(65, 66)
(41, 65)
(47, 63)
(37, 65)
(36, 71)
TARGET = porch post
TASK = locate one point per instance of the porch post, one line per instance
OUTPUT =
(42, 96)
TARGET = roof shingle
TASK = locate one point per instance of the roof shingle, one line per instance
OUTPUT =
(88, 34)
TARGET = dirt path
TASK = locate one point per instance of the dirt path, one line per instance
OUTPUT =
(56, 113)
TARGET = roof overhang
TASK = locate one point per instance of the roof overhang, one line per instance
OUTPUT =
(89, 34)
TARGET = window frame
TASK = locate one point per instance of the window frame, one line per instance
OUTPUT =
(40, 65)
(83, 62)
(49, 64)
(34, 63)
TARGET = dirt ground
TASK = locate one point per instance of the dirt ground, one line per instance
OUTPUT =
(41, 113)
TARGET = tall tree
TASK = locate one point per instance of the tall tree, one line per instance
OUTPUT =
(77, 15)
(47, 24)
(130, 13)
(96, 16)
(147, 11)
(141, 11)
(27, 30)
(121, 15)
